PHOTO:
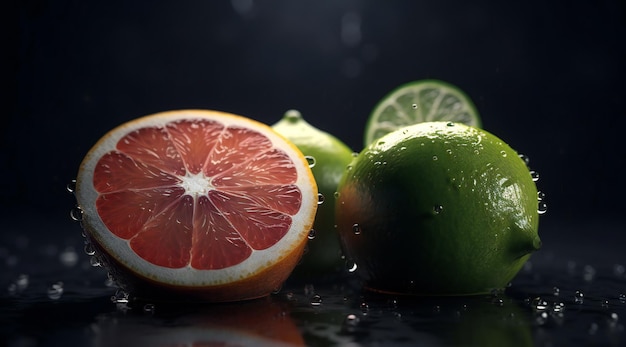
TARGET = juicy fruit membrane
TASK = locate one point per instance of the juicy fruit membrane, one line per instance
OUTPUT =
(330, 156)
(438, 208)
(205, 203)
(417, 102)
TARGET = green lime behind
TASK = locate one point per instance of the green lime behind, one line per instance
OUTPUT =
(438, 208)
(329, 157)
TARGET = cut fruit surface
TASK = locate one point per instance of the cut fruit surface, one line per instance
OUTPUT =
(197, 198)
(417, 102)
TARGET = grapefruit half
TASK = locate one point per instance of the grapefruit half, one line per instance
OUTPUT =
(202, 203)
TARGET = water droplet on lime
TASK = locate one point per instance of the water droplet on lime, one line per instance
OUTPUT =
(311, 160)
(320, 198)
(542, 207)
(534, 175)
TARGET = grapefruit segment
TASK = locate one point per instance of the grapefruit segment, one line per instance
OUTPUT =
(236, 145)
(153, 146)
(165, 239)
(126, 212)
(217, 244)
(117, 171)
(194, 140)
(201, 202)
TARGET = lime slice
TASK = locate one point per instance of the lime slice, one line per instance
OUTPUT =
(417, 102)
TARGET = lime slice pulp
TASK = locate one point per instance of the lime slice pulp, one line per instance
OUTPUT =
(417, 102)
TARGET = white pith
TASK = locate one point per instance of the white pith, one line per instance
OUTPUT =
(194, 185)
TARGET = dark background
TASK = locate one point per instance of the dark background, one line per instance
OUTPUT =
(548, 77)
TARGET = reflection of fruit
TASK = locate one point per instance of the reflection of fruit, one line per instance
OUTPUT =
(331, 157)
(438, 208)
(260, 322)
(489, 324)
(417, 102)
(201, 203)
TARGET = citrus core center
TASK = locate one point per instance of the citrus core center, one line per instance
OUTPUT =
(196, 185)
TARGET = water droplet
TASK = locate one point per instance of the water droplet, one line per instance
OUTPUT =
(316, 300)
(356, 229)
(94, 261)
(320, 198)
(350, 322)
(355, 154)
(538, 304)
(293, 115)
(542, 207)
(525, 159)
(558, 307)
(364, 307)
(311, 234)
(435, 157)
(503, 154)
(541, 196)
(614, 317)
(579, 297)
(351, 266)
(89, 250)
(336, 195)
(55, 291)
(497, 302)
(403, 148)
(110, 280)
(349, 167)
(310, 160)
(534, 175)
(120, 297)
(622, 298)
(605, 303)
(437, 209)
(449, 151)
(71, 187)
(556, 291)
(450, 124)
(149, 308)
(414, 106)
(76, 213)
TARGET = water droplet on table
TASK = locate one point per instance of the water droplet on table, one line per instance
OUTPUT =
(316, 300)
(55, 291)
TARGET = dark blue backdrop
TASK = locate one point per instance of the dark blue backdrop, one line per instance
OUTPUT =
(546, 76)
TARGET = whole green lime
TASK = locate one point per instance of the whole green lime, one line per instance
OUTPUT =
(438, 208)
(329, 157)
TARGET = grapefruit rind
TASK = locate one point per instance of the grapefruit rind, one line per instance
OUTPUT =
(258, 262)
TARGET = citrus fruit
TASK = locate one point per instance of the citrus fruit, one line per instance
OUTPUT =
(196, 204)
(417, 102)
(438, 208)
(330, 156)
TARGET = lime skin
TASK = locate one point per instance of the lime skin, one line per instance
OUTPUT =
(330, 157)
(437, 208)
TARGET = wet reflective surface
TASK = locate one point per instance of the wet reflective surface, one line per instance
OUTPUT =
(572, 292)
